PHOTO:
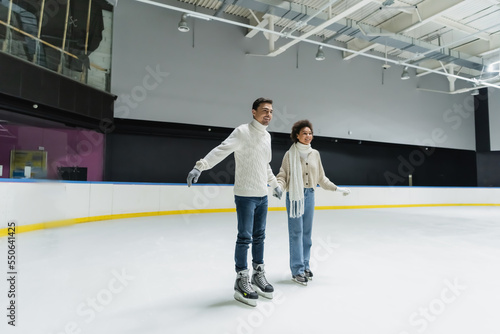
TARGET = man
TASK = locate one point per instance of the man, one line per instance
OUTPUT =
(251, 144)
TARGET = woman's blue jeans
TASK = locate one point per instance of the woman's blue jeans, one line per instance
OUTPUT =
(299, 233)
(252, 215)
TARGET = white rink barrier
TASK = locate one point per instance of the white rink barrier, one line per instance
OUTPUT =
(36, 205)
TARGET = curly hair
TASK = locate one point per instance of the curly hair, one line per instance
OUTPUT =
(299, 125)
(260, 100)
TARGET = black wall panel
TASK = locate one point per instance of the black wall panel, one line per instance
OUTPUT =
(482, 121)
(60, 98)
(488, 174)
(31, 83)
(82, 101)
(161, 152)
(488, 163)
(67, 100)
(95, 105)
(50, 89)
(10, 80)
(143, 158)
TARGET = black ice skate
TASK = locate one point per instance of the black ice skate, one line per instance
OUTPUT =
(308, 273)
(243, 291)
(260, 283)
(300, 278)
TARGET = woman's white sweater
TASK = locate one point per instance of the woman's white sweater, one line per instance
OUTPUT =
(312, 172)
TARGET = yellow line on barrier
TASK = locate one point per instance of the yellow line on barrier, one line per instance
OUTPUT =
(391, 206)
(74, 221)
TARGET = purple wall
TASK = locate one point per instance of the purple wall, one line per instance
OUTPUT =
(65, 148)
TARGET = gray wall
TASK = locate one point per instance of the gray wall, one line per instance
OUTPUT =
(494, 109)
(204, 77)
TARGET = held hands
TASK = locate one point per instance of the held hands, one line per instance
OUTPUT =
(345, 191)
(193, 176)
(277, 192)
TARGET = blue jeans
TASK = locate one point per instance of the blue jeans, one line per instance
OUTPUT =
(299, 233)
(252, 214)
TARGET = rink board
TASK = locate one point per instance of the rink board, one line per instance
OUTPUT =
(36, 205)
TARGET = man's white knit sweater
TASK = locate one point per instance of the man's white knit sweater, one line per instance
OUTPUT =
(251, 144)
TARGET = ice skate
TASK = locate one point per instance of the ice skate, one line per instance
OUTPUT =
(308, 273)
(260, 283)
(243, 291)
(300, 278)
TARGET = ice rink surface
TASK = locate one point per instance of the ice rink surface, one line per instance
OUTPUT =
(429, 270)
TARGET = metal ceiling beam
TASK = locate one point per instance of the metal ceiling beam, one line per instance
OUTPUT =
(320, 27)
(448, 45)
(480, 47)
(351, 28)
(452, 92)
(493, 2)
(444, 54)
(319, 11)
(255, 21)
(462, 27)
(427, 11)
(490, 53)
(284, 9)
(240, 24)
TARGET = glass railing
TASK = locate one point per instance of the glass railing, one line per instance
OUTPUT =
(70, 37)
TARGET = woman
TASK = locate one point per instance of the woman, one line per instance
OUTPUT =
(300, 172)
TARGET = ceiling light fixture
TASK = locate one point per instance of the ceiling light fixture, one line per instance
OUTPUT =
(183, 26)
(405, 75)
(320, 55)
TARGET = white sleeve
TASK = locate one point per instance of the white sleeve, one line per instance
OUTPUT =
(271, 179)
(219, 153)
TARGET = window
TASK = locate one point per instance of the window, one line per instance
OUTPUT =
(41, 149)
(73, 40)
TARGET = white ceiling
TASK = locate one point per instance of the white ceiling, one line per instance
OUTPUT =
(456, 38)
